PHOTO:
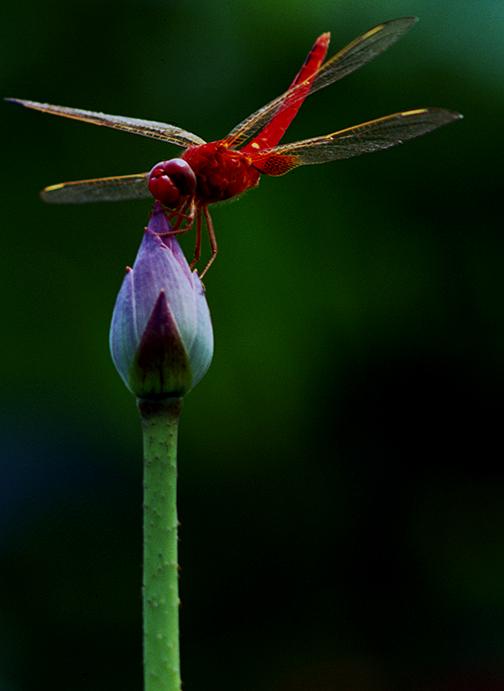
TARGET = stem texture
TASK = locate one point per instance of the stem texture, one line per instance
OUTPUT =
(160, 575)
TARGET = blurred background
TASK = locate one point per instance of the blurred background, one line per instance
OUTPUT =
(341, 475)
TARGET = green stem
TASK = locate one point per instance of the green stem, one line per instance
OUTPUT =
(160, 577)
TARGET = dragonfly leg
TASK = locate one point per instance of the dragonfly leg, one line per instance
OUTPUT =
(197, 244)
(212, 238)
(178, 229)
(181, 216)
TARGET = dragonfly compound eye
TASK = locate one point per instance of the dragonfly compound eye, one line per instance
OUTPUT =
(171, 180)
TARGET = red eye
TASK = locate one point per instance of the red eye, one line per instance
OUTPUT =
(171, 180)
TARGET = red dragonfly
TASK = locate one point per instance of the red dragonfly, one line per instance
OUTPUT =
(206, 173)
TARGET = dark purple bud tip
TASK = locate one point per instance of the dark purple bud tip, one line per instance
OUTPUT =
(162, 363)
(171, 180)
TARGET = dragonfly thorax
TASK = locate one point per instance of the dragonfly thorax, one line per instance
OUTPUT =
(170, 181)
(221, 172)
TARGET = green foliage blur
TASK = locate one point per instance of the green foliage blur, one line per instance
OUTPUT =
(341, 493)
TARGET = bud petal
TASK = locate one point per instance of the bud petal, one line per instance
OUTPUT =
(202, 348)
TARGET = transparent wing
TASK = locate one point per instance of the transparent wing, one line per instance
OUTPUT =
(146, 128)
(367, 137)
(112, 189)
(356, 54)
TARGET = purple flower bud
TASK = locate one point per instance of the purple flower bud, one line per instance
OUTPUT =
(161, 336)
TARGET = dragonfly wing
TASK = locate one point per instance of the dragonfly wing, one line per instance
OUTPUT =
(360, 51)
(375, 135)
(146, 128)
(111, 189)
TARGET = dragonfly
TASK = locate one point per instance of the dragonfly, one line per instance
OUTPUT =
(206, 173)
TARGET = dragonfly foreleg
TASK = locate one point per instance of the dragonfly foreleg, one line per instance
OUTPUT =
(178, 217)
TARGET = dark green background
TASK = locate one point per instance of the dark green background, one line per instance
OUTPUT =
(341, 463)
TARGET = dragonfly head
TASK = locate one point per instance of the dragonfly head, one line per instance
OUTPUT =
(170, 181)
